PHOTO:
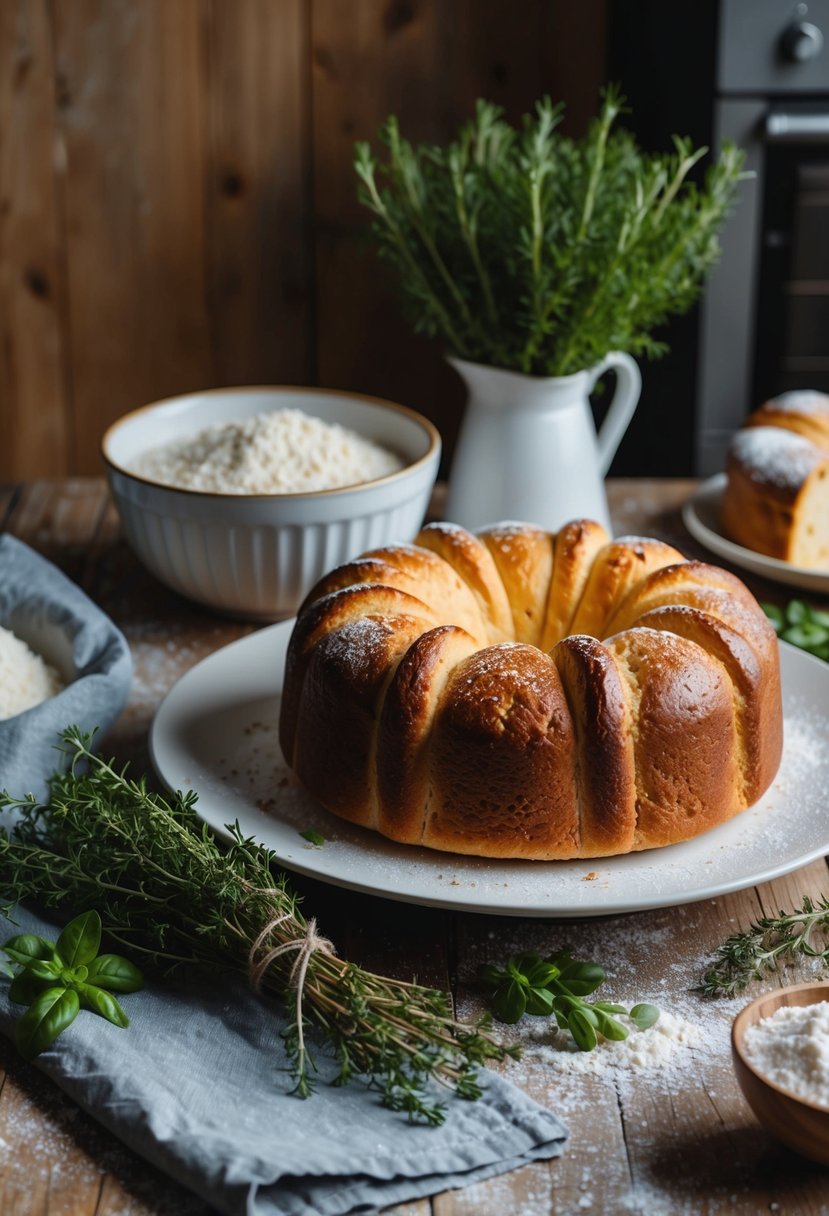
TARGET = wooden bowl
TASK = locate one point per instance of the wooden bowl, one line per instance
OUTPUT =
(796, 1122)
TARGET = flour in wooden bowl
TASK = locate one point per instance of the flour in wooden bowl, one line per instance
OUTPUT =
(791, 1049)
(279, 452)
(25, 678)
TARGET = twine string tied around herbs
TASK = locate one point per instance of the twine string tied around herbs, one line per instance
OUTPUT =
(304, 945)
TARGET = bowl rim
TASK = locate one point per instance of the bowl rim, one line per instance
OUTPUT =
(738, 1031)
(432, 433)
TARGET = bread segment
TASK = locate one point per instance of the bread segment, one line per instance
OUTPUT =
(617, 568)
(406, 727)
(502, 761)
(342, 695)
(605, 771)
(574, 552)
(684, 736)
(469, 557)
(524, 560)
(755, 684)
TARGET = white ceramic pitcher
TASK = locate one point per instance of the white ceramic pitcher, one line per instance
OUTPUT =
(528, 447)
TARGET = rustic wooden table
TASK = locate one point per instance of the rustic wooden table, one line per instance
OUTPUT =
(673, 1137)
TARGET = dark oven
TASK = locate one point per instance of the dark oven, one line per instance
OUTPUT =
(755, 72)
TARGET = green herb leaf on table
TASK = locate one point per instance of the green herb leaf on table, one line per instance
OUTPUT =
(169, 892)
(530, 984)
(801, 626)
(57, 980)
(521, 248)
(53, 1010)
(752, 953)
(312, 836)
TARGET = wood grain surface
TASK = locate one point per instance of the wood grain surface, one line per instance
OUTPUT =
(675, 1139)
(178, 202)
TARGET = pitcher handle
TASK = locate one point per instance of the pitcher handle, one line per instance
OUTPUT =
(620, 410)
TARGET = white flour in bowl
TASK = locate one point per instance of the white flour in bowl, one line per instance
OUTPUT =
(791, 1049)
(280, 452)
(25, 679)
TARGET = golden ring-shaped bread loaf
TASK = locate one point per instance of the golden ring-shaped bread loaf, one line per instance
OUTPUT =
(519, 694)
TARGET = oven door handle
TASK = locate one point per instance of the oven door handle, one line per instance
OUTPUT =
(797, 128)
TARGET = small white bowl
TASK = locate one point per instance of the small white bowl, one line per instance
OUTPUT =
(256, 556)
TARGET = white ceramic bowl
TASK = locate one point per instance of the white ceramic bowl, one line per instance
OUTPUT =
(257, 555)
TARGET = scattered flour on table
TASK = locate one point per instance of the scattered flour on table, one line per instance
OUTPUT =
(657, 1047)
(25, 678)
(281, 452)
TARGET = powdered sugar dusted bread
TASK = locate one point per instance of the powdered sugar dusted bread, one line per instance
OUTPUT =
(521, 694)
(776, 499)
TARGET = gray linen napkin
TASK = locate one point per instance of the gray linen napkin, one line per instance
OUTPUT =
(199, 1085)
(57, 620)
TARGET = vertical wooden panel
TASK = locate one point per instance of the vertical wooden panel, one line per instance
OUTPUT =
(34, 407)
(178, 204)
(427, 62)
(261, 281)
(131, 81)
(372, 58)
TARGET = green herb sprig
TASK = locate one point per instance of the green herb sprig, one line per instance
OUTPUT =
(520, 248)
(802, 626)
(754, 952)
(556, 986)
(168, 891)
(58, 979)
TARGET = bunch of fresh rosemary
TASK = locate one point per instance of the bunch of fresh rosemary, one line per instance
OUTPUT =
(524, 249)
(168, 892)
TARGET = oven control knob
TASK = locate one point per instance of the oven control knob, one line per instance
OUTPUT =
(802, 41)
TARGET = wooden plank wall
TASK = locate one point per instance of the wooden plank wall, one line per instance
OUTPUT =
(178, 207)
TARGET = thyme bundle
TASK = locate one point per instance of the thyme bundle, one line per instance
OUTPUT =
(523, 249)
(168, 892)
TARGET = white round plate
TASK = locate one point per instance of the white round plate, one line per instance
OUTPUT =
(216, 730)
(701, 516)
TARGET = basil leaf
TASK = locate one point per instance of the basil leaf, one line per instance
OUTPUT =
(609, 1028)
(582, 978)
(607, 1007)
(103, 1003)
(26, 947)
(540, 1002)
(819, 618)
(489, 974)
(81, 939)
(52, 1012)
(644, 1016)
(313, 837)
(115, 973)
(796, 611)
(582, 1030)
(806, 635)
(25, 987)
(43, 969)
(510, 1001)
(542, 973)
